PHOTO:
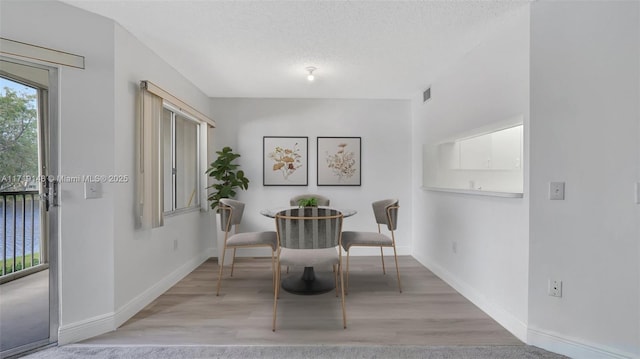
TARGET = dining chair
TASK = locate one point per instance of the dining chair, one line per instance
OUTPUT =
(230, 216)
(322, 200)
(385, 213)
(309, 237)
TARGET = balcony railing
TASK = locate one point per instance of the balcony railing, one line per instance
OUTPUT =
(21, 248)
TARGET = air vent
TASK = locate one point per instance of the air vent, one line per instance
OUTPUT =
(426, 95)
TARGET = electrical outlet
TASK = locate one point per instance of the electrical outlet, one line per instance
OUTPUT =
(175, 244)
(556, 190)
(555, 288)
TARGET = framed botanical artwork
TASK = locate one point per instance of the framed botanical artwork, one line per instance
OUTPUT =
(339, 162)
(285, 161)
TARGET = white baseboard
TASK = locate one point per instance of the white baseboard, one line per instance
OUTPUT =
(511, 323)
(85, 329)
(104, 323)
(571, 347)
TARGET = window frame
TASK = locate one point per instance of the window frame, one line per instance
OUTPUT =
(175, 112)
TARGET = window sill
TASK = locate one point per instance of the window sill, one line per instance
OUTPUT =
(476, 192)
(178, 212)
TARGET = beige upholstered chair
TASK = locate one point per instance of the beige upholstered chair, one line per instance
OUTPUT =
(309, 237)
(230, 216)
(322, 200)
(386, 213)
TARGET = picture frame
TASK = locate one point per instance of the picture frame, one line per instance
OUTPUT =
(339, 161)
(285, 161)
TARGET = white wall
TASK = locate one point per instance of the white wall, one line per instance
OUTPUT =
(108, 270)
(584, 131)
(383, 125)
(490, 264)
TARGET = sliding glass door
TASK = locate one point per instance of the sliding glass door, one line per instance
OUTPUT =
(28, 213)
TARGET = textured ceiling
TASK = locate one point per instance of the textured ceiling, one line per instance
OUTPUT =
(372, 49)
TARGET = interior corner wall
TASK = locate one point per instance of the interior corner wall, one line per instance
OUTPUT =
(478, 244)
(383, 125)
(585, 126)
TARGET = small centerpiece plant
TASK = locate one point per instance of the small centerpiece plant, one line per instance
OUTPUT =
(308, 202)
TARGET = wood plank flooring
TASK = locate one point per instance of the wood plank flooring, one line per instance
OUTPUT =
(428, 312)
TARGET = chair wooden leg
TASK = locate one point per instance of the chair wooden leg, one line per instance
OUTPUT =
(224, 250)
(346, 289)
(382, 257)
(233, 261)
(287, 269)
(275, 295)
(335, 277)
(397, 270)
(278, 278)
(273, 270)
(344, 312)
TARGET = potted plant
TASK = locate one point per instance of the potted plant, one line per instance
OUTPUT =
(308, 202)
(229, 178)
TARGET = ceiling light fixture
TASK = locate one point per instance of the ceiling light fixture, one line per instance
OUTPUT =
(310, 70)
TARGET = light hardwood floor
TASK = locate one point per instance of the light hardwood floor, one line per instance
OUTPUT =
(428, 312)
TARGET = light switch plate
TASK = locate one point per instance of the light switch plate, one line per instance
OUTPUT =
(92, 190)
(556, 190)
